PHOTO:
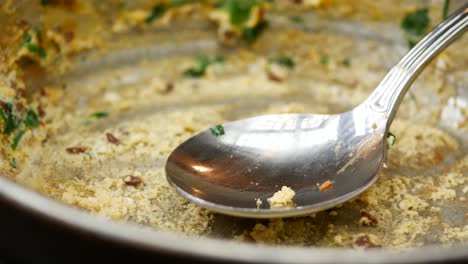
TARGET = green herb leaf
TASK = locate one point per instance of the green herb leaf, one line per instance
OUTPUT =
(417, 22)
(201, 64)
(347, 62)
(32, 119)
(44, 2)
(10, 121)
(27, 39)
(239, 10)
(16, 140)
(99, 115)
(158, 10)
(251, 34)
(391, 138)
(324, 60)
(296, 19)
(217, 130)
(40, 51)
(194, 73)
(445, 9)
(285, 62)
(14, 163)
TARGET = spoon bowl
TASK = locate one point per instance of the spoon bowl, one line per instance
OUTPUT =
(235, 173)
(257, 156)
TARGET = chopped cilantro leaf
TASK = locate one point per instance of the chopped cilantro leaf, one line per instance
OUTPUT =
(445, 9)
(324, 60)
(44, 2)
(285, 61)
(347, 62)
(16, 140)
(40, 51)
(27, 39)
(239, 10)
(158, 10)
(99, 115)
(296, 19)
(201, 64)
(194, 73)
(251, 34)
(416, 23)
(217, 130)
(14, 163)
(10, 121)
(32, 119)
(391, 138)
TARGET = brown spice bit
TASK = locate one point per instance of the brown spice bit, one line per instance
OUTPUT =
(364, 241)
(372, 219)
(42, 92)
(19, 107)
(169, 87)
(327, 185)
(76, 150)
(248, 238)
(22, 23)
(438, 157)
(132, 180)
(4, 107)
(20, 92)
(68, 36)
(229, 36)
(112, 139)
(273, 77)
(41, 111)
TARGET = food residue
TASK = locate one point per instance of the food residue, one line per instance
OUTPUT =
(112, 139)
(132, 180)
(326, 186)
(282, 198)
(75, 150)
(258, 202)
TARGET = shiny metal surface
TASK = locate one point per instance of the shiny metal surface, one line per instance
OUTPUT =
(257, 156)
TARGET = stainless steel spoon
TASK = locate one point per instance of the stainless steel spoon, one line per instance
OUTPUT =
(257, 156)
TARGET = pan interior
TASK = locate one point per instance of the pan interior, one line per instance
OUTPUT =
(117, 113)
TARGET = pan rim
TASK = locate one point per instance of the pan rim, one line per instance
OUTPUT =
(210, 248)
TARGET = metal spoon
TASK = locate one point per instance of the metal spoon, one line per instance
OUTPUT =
(257, 156)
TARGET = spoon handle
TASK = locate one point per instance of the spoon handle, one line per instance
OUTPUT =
(387, 96)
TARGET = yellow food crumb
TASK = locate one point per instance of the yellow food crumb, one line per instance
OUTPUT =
(282, 198)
